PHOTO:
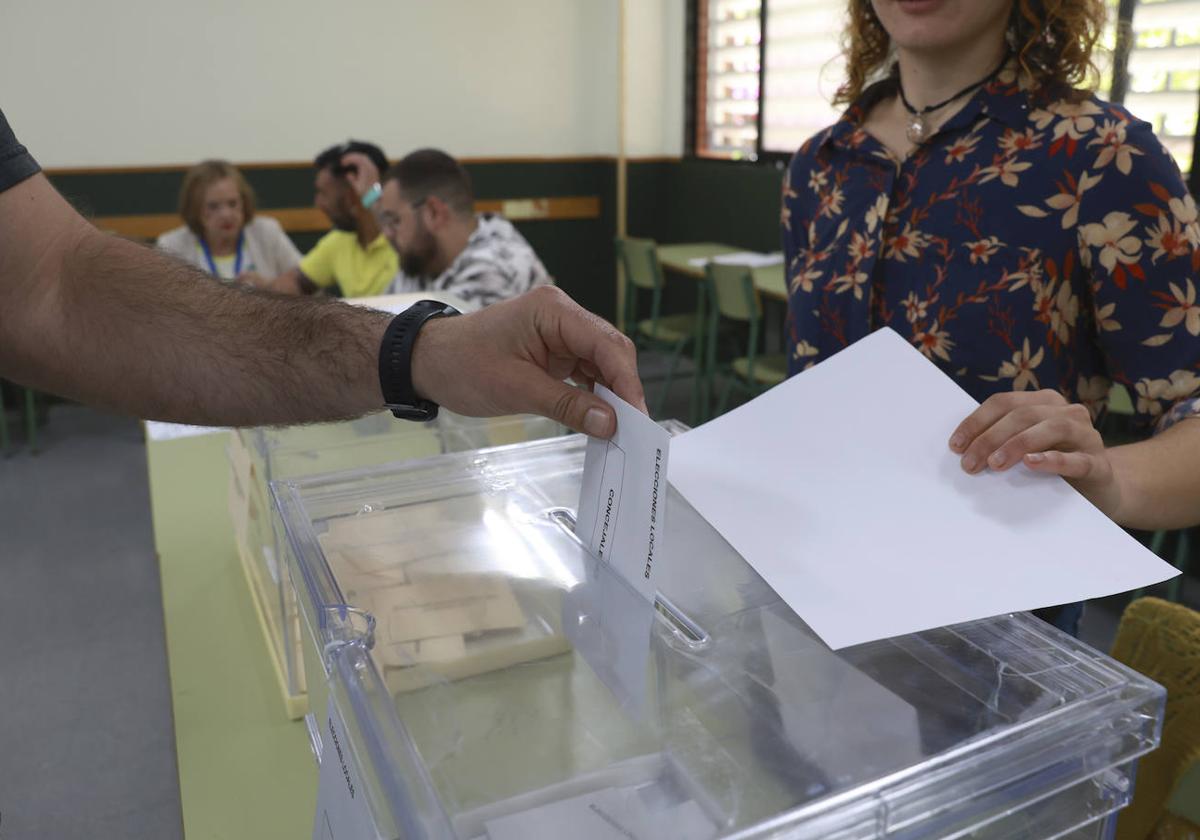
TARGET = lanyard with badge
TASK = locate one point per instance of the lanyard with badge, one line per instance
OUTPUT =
(212, 265)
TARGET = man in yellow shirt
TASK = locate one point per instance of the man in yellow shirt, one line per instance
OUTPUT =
(354, 256)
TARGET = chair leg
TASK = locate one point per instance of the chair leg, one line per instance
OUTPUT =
(1157, 540)
(31, 420)
(3, 425)
(698, 402)
(724, 401)
(1181, 562)
(700, 395)
(666, 386)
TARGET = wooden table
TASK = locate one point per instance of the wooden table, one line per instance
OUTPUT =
(245, 770)
(769, 280)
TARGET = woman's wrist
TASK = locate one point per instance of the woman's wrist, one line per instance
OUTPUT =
(1118, 499)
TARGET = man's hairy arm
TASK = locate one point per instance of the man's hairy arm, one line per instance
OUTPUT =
(114, 324)
(117, 325)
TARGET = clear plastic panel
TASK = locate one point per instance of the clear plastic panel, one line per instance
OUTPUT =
(259, 456)
(713, 712)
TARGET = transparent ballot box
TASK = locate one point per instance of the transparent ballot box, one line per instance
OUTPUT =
(258, 456)
(475, 673)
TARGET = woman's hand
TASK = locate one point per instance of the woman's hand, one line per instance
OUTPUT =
(1046, 433)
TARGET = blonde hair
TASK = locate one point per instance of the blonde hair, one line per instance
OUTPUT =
(1052, 41)
(197, 181)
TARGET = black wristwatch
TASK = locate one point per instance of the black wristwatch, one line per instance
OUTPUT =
(395, 361)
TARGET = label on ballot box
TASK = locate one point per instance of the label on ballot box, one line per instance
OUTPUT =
(622, 503)
(342, 810)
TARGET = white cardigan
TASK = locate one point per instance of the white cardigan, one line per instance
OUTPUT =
(269, 251)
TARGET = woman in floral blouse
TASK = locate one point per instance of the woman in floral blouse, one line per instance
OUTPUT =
(1033, 241)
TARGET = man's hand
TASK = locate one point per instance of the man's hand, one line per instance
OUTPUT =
(253, 278)
(1046, 433)
(361, 172)
(513, 357)
(291, 282)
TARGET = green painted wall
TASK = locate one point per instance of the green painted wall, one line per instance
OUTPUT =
(703, 201)
(706, 201)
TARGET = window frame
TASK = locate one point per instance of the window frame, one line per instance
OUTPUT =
(696, 88)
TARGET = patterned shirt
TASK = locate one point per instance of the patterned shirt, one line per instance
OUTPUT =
(1028, 244)
(497, 264)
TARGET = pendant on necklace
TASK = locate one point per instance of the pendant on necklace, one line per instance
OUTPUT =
(916, 129)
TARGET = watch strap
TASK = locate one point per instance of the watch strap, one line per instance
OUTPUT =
(395, 360)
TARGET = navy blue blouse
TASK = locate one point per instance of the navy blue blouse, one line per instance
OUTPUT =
(1028, 244)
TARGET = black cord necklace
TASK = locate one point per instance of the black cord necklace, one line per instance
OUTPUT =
(918, 127)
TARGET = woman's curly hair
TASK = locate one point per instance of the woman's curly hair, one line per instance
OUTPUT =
(1052, 41)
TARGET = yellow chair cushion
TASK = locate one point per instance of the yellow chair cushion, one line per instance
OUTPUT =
(1118, 400)
(670, 328)
(768, 370)
(1171, 827)
(1162, 640)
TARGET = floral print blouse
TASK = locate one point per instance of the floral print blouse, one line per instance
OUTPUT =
(1028, 244)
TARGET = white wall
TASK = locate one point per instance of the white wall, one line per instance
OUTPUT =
(146, 82)
(654, 77)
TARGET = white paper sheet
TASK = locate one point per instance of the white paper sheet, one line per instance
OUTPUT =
(753, 259)
(622, 503)
(395, 304)
(840, 489)
(608, 623)
(156, 430)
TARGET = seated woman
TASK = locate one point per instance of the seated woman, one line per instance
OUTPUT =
(222, 235)
(1032, 240)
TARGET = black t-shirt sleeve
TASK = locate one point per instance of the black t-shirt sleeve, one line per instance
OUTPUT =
(16, 164)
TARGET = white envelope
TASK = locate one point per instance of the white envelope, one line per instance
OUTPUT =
(622, 503)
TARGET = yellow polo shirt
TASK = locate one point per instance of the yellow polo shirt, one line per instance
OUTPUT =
(338, 258)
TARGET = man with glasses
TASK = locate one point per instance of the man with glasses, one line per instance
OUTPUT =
(426, 208)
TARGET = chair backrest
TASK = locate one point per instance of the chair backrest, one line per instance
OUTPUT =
(1162, 640)
(1185, 800)
(640, 259)
(732, 290)
(1119, 402)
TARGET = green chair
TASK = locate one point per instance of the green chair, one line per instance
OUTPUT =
(670, 333)
(1119, 403)
(1184, 804)
(734, 298)
(1162, 641)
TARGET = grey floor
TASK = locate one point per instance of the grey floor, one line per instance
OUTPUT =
(87, 746)
(86, 740)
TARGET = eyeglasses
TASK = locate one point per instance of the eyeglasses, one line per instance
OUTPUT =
(389, 221)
